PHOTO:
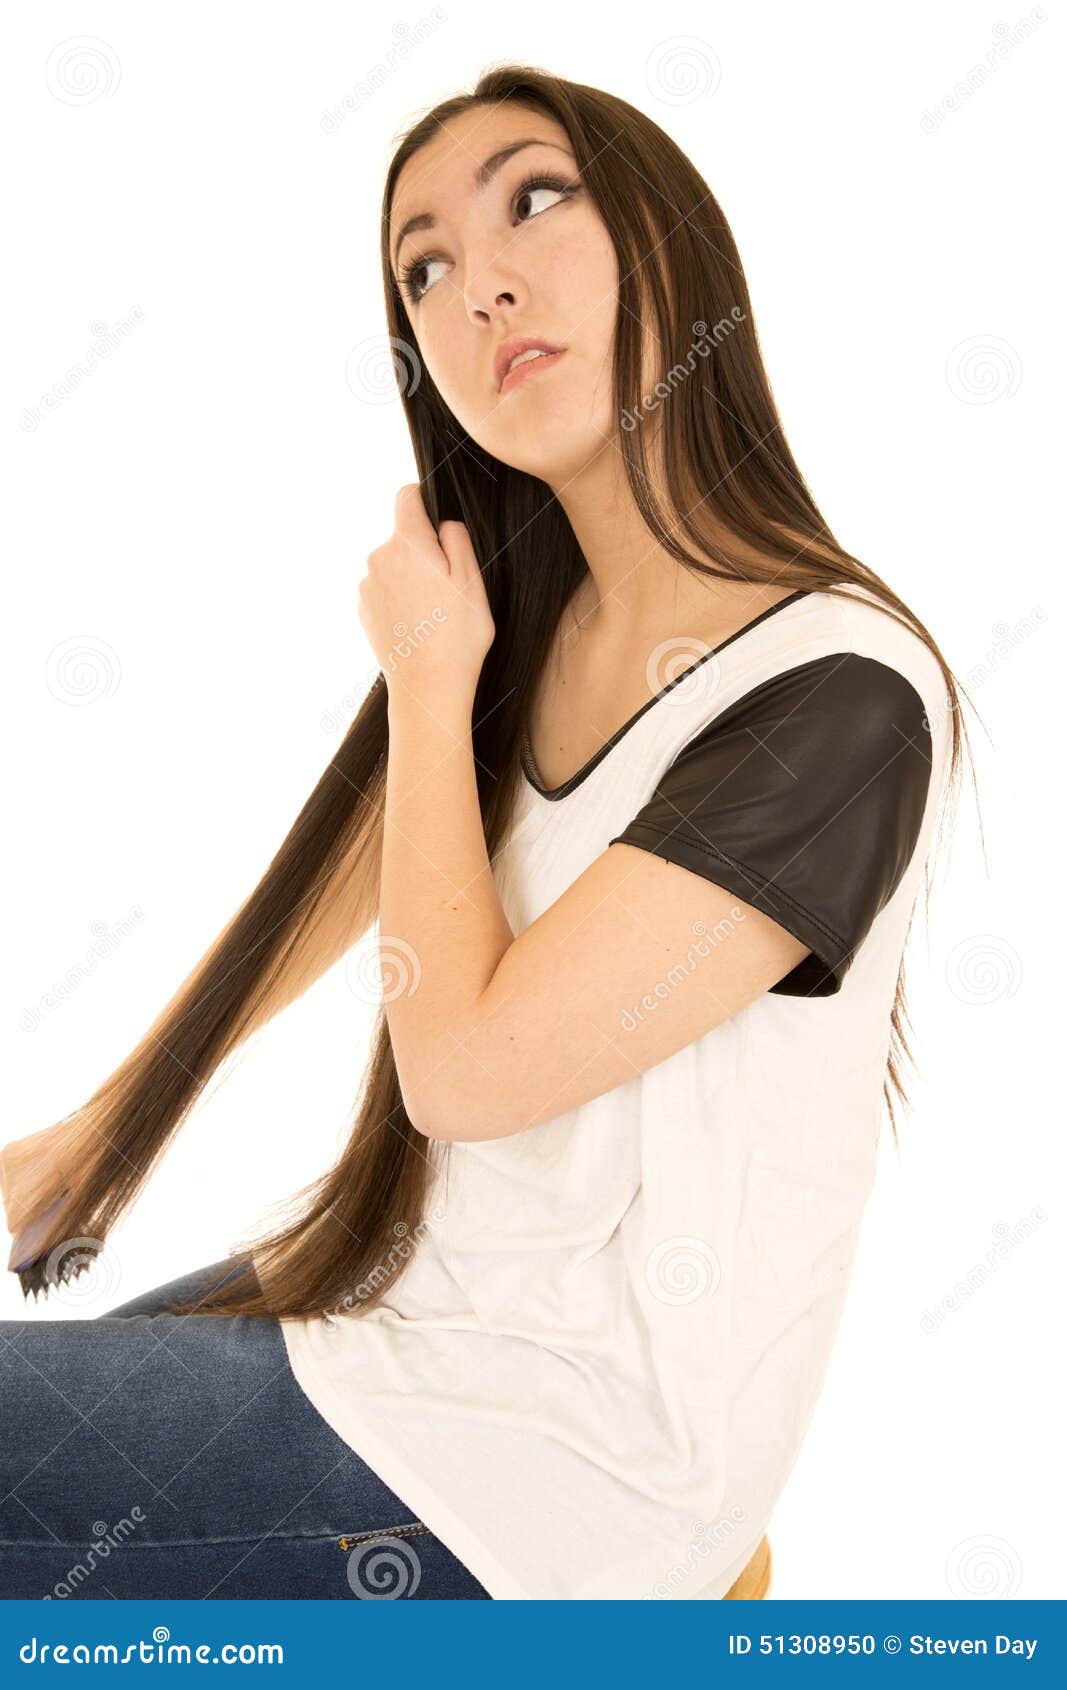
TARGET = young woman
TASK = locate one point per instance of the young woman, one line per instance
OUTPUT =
(641, 803)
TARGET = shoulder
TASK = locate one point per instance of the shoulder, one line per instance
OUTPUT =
(847, 689)
(808, 790)
(853, 620)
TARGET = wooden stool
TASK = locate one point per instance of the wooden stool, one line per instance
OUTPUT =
(754, 1581)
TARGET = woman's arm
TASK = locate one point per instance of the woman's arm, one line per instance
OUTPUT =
(494, 1034)
(769, 846)
(442, 925)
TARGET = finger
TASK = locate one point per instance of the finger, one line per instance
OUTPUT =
(455, 541)
(410, 514)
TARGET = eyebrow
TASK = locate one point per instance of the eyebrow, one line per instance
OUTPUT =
(483, 175)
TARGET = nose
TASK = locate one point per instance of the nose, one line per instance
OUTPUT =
(493, 306)
(489, 292)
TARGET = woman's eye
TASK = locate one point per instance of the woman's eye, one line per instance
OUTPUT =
(531, 190)
(409, 277)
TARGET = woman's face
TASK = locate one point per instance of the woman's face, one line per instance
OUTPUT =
(504, 260)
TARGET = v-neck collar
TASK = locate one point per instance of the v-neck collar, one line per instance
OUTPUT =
(529, 767)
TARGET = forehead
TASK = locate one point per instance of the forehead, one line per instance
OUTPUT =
(452, 167)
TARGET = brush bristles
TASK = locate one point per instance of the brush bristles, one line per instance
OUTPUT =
(41, 1275)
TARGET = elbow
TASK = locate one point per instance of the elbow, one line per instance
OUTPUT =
(456, 1119)
(457, 1100)
(438, 1117)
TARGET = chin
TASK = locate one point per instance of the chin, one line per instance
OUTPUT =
(549, 444)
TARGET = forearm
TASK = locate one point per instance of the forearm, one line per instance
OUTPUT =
(439, 910)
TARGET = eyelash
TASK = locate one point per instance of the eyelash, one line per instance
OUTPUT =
(536, 181)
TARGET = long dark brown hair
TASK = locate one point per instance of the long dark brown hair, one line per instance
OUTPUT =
(725, 458)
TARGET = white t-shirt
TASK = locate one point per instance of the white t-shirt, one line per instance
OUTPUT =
(594, 1375)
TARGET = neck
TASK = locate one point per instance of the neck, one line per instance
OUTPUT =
(634, 585)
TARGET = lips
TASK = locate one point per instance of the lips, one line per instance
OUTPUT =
(511, 349)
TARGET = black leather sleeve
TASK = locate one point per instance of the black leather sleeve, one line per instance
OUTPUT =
(805, 798)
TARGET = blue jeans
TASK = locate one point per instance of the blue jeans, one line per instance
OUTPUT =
(145, 1454)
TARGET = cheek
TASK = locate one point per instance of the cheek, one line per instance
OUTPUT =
(576, 299)
(585, 294)
(455, 357)
(584, 288)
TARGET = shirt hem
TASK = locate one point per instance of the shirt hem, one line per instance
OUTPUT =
(394, 1472)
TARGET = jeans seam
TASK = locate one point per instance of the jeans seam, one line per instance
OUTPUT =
(350, 1539)
(175, 1542)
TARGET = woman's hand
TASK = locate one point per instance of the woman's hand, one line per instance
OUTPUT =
(423, 605)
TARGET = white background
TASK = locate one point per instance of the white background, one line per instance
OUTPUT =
(193, 518)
